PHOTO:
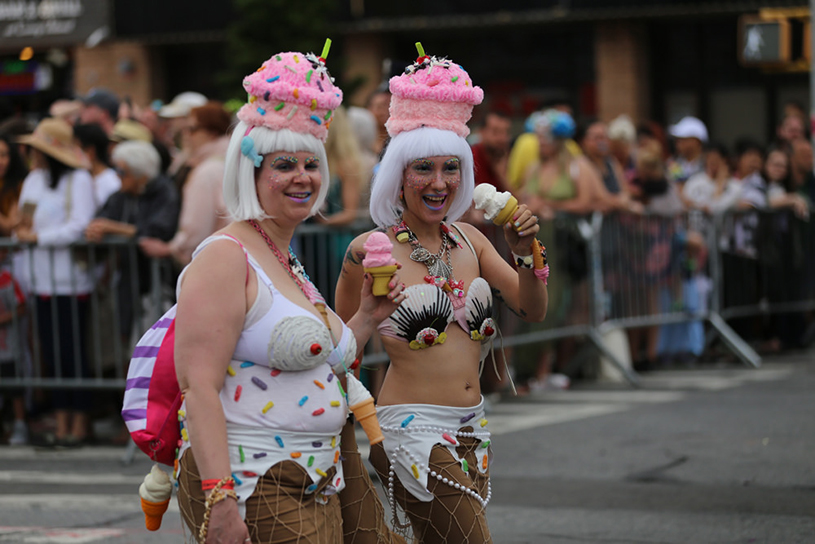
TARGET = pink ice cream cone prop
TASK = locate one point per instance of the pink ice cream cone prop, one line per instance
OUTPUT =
(155, 494)
(498, 207)
(362, 405)
(379, 262)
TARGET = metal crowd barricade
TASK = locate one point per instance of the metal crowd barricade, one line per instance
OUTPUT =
(655, 271)
(614, 271)
(767, 264)
(129, 292)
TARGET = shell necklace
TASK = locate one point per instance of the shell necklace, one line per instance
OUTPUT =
(439, 265)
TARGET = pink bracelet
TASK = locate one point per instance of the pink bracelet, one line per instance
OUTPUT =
(543, 274)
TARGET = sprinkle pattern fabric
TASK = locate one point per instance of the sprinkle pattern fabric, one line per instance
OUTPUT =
(291, 91)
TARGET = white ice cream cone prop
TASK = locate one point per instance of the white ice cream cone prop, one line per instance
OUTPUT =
(362, 406)
(155, 493)
(505, 215)
(498, 207)
(382, 276)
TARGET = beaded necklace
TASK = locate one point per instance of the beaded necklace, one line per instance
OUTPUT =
(297, 273)
(439, 272)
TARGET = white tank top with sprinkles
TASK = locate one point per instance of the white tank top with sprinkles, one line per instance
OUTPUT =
(280, 395)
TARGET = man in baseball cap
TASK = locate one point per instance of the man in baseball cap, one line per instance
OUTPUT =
(690, 134)
(100, 106)
(182, 104)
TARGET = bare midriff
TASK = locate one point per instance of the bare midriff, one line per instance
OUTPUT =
(443, 374)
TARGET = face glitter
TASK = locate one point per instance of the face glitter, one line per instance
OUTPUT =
(283, 170)
(422, 172)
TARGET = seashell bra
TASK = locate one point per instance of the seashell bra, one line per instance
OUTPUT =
(423, 318)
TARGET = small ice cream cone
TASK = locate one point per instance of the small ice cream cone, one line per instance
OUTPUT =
(506, 214)
(155, 493)
(537, 255)
(153, 512)
(382, 277)
(361, 403)
(365, 412)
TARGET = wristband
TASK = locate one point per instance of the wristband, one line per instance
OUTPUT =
(525, 261)
(543, 274)
(228, 483)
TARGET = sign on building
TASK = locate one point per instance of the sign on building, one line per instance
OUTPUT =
(49, 23)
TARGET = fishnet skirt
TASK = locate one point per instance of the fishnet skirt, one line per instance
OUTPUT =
(278, 511)
(452, 516)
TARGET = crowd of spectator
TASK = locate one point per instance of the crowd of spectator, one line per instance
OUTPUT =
(101, 167)
(629, 173)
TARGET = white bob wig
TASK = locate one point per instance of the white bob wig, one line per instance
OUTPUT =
(240, 190)
(386, 207)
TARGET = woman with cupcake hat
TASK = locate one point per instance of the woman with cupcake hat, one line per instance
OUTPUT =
(257, 352)
(436, 453)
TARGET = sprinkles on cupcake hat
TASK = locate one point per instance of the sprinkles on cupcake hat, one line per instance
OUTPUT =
(430, 106)
(291, 103)
(292, 91)
(433, 92)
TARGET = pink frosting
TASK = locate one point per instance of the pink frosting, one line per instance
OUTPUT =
(287, 81)
(435, 93)
(378, 251)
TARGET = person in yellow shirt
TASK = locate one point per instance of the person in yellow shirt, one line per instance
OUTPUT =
(526, 151)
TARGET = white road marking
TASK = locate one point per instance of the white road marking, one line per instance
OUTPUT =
(522, 419)
(115, 503)
(102, 453)
(45, 535)
(72, 478)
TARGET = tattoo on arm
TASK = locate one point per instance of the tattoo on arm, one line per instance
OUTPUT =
(352, 258)
(497, 294)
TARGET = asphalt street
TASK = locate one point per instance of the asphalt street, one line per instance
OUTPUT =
(720, 454)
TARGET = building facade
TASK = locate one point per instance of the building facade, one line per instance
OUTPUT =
(654, 60)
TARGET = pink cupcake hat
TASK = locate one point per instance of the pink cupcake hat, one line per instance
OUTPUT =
(292, 91)
(433, 92)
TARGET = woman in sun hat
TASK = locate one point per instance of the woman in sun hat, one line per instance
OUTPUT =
(57, 203)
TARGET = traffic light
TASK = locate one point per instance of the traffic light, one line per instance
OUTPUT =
(763, 41)
(775, 39)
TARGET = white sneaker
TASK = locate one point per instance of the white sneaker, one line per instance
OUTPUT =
(19, 434)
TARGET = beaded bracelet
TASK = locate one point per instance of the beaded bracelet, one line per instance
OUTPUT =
(218, 494)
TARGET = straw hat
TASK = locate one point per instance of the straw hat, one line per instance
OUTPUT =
(55, 138)
(128, 129)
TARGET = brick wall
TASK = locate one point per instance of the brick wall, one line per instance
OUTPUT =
(126, 68)
(364, 54)
(621, 68)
